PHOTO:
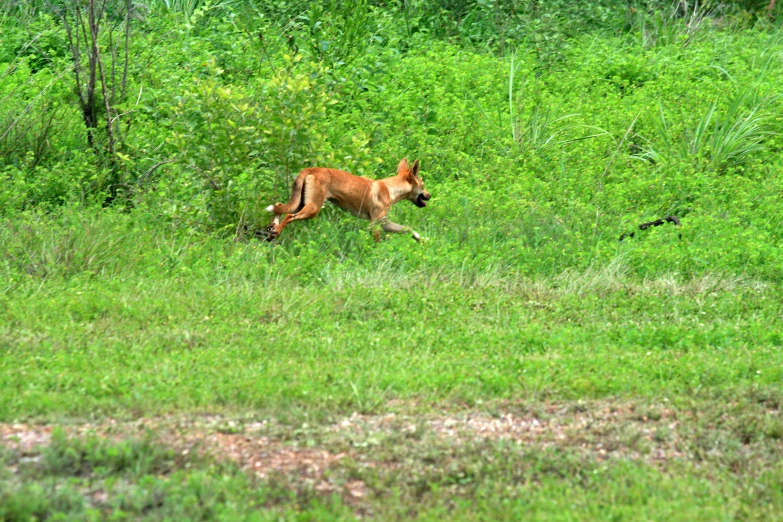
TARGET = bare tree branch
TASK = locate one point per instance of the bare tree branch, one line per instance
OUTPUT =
(209, 178)
(152, 169)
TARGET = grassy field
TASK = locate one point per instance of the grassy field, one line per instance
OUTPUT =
(531, 359)
(157, 345)
(439, 395)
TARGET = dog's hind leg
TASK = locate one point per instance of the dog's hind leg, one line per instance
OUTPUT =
(390, 226)
(295, 202)
(313, 200)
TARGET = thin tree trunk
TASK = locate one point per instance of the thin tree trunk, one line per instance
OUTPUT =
(88, 107)
(127, 47)
(86, 101)
(109, 130)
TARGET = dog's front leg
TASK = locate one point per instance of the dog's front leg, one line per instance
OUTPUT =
(390, 226)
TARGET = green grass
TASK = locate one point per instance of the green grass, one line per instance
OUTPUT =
(148, 346)
(112, 316)
(619, 491)
(200, 325)
(106, 315)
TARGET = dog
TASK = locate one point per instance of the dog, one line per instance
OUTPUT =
(363, 197)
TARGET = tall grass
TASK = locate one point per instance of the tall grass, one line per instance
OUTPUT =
(187, 8)
(23, 9)
(720, 138)
(535, 124)
(543, 123)
(679, 23)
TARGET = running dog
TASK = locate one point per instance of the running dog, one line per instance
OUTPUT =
(363, 197)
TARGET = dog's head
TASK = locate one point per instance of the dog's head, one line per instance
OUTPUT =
(418, 195)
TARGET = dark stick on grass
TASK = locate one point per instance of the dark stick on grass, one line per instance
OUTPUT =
(656, 223)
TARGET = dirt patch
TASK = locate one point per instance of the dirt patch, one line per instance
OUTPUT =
(24, 438)
(252, 451)
(255, 450)
(609, 431)
(265, 457)
(322, 456)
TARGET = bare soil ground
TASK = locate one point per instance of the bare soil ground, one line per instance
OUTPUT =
(322, 456)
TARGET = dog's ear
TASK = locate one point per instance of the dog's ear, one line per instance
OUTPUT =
(415, 169)
(403, 167)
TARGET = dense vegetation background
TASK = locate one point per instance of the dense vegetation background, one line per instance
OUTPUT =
(545, 130)
(140, 141)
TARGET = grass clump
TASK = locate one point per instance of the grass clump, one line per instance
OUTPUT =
(730, 139)
(76, 457)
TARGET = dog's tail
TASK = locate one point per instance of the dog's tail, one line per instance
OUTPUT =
(296, 201)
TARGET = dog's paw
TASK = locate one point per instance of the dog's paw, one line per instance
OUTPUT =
(271, 234)
(265, 234)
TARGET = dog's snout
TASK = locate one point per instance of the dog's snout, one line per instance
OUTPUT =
(421, 199)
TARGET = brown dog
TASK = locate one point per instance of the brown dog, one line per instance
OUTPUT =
(363, 197)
